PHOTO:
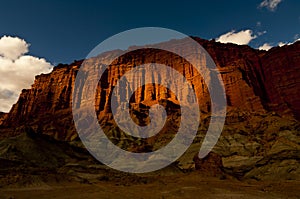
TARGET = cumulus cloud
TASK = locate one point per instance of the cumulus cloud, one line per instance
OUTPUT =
(270, 4)
(265, 46)
(12, 47)
(17, 70)
(242, 38)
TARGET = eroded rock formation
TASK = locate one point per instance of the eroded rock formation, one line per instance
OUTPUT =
(260, 139)
(254, 80)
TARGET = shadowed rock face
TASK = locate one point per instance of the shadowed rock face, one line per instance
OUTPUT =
(255, 81)
(2, 117)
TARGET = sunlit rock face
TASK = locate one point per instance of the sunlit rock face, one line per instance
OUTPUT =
(255, 81)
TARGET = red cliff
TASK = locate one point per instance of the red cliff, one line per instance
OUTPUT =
(254, 80)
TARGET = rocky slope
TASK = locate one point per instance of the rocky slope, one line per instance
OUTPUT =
(2, 117)
(252, 146)
(260, 139)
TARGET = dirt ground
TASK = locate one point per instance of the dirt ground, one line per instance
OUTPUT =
(176, 186)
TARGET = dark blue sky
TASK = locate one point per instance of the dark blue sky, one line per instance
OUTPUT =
(62, 31)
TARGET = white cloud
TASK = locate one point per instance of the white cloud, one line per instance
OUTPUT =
(17, 70)
(242, 38)
(265, 46)
(261, 33)
(12, 47)
(270, 4)
(280, 44)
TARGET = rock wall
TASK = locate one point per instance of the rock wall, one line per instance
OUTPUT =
(2, 117)
(255, 81)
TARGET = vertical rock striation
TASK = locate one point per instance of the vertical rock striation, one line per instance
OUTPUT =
(254, 80)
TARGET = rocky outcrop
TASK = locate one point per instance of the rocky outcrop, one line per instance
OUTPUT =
(262, 146)
(260, 139)
(259, 146)
(2, 117)
(281, 78)
(256, 81)
(271, 75)
(47, 105)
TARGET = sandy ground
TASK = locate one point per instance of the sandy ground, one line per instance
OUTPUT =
(178, 186)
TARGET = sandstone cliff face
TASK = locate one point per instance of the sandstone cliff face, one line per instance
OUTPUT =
(47, 104)
(281, 77)
(2, 117)
(273, 76)
(254, 80)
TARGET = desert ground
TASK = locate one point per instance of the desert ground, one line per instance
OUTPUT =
(191, 185)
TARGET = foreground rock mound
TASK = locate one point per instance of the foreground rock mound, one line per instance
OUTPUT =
(259, 146)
